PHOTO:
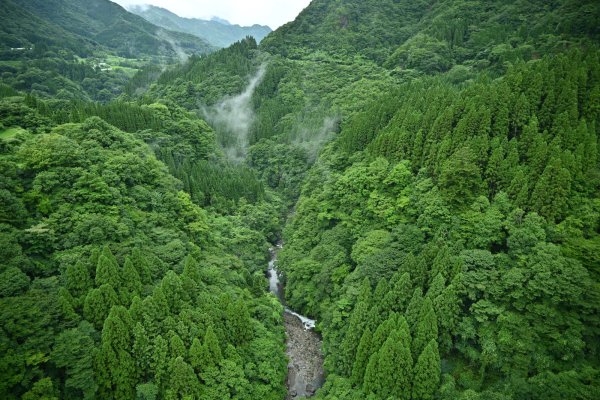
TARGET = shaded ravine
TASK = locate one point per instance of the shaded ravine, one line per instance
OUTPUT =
(305, 360)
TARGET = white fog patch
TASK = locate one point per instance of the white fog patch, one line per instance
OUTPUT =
(135, 7)
(233, 117)
(181, 54)
(313, 140)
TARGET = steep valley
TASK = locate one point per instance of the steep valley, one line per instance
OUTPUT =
(382, 199)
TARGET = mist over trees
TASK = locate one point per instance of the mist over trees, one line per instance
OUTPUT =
(431, 167)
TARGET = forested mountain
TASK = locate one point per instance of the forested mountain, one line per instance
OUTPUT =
(217, 32)
(433, 35)
(87, 26)
(431, 168)
(464, 220)
(84, 50)
(114, 283)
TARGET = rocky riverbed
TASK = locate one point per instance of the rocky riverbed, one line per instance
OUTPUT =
(305, 366)
(305, 360)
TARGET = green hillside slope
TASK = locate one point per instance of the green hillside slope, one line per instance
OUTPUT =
(431, 169)
(82, 26)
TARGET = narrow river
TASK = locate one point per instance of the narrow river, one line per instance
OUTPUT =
(305, 360)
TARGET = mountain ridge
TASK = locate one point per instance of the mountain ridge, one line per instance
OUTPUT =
(83, 26)
(432, 167)
(216, 31)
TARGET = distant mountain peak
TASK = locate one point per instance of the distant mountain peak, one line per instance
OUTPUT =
(220, 20)
(217, 31)
(85, 26)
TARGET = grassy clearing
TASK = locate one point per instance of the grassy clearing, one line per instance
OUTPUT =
(10, 133)
(10, 63)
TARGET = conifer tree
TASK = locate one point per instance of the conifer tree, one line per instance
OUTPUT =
(238, 322)
(142, 266)
(196, 355)
(107, 271)
(518, 189)
(191, 269)
(436, 287)
(493, 171)
(448, 305)
(132, 285)
(159, 359)
(136, 309)
(211, 351)
(416, 268)
(537, 157)
(509, 166)
(92, 262)
(426, 328)
(371, 379)
(98, 303)
(441, 264)
(356, 325)
(427, 373)
(66, 302)
(78, 280)
(160, 306)
(173, 291)
(551, 192)
(404, 331)
(529, 136)
(397, 298)
(390, 373)
(378, 313)
(117, 374)
(142, 351)
(414, 308)
(182, 381)
(362, 358)
(191, 278)
(176, 346)
(383, 331)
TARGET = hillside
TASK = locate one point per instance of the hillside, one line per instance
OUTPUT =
(424, 175)
(87, 26)
(80, 50)
(320, 71)
(216, 32)
(431, 35)
(449, 207)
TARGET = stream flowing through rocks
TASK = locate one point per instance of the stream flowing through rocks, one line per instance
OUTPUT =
(305, 360)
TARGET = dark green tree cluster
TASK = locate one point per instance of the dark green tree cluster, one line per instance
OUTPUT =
(429, 36)
(115, 284)
(205, 80)
(86, 28)
(466, 231)
(447, 239)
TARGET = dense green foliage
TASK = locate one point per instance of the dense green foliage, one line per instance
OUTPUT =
(208, 79)
(86, 27)
(480, 199)
(111, 274)
(439, 161)
(74, 50)
(216, 32)
(474, 194)
(432, 36)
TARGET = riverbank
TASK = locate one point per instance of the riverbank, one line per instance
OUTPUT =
(305, 366)
(305, 360)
